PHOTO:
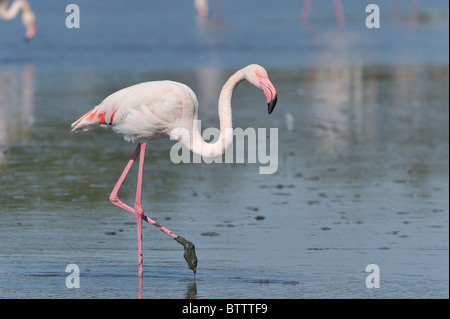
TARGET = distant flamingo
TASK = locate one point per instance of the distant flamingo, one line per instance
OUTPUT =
(28, 18)
(202, 8)
(161, 109)
(338, 9)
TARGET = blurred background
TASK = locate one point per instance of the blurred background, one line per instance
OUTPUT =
(363, 150)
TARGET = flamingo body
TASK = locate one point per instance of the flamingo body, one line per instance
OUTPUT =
(154, 110)
(202, 8)
(143, 112)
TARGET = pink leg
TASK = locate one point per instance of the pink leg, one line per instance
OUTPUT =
(113, 197)
(306, 10)
(339, 10)
(138, 210)
(189, 248)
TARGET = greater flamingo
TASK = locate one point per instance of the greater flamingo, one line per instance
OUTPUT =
(338, 10)
(161, 109)
(28, 18)
(202, 8)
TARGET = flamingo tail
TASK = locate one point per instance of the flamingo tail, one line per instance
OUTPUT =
(92, 119)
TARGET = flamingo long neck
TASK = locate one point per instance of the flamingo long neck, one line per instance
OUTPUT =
(9, 14)
(12, 12)
(225, 139)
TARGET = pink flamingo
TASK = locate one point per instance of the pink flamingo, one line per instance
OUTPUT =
(202, 8)
(338, 9)
(28, 18)
(161, 109)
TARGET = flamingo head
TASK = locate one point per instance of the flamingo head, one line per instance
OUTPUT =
(257, 76)
(30, 32)
(29, 22)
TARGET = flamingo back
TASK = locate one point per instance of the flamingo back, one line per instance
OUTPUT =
(144, 111)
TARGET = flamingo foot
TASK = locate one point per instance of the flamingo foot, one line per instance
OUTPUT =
(189, 253)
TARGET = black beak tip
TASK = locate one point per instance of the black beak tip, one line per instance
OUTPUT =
(271, 104)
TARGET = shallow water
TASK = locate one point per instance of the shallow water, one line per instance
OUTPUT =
(362, 175)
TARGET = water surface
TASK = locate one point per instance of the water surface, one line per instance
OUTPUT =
(363, 147)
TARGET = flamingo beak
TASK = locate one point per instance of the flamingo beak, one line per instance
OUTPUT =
(271, 104)
(269, 92)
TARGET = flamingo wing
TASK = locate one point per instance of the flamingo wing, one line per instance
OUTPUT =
(143, 111)
(105, 112)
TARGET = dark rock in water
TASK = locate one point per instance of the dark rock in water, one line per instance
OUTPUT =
(211, 233)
